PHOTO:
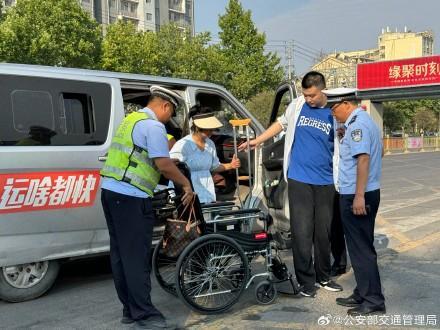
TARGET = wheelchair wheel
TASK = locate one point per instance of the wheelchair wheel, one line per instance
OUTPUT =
(265, 292)
(212, 274)
(164, 268)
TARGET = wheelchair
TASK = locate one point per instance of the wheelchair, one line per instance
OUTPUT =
(212, 272)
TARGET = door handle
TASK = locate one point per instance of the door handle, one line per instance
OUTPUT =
(102, 158)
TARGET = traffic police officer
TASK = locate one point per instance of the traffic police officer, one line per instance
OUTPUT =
(359, 187)
(136, 158)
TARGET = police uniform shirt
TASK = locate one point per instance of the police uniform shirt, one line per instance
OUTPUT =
(362, 136)
(150, 135)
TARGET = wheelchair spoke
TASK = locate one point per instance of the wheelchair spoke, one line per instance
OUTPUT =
(212, 276)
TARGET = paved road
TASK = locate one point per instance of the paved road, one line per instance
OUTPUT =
(408, 243)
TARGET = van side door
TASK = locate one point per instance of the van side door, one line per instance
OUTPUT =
(55, 128)
(274, 186)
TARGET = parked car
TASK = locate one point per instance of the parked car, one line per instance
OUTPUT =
(56, 127)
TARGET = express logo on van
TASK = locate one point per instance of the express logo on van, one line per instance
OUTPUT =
(47, 190)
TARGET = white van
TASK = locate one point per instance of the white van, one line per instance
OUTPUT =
(56, 126)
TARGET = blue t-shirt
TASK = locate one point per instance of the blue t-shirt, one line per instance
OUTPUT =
(312, 150)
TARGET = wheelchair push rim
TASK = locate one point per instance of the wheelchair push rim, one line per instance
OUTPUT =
(211, 274)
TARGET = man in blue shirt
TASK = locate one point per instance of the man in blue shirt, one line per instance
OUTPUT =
(360, 167)
(138, 154)
(308, 169)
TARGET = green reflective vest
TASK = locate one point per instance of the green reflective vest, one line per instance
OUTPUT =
(128, 162)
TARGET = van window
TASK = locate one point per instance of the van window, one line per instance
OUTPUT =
(222, 109)
(137, 100)
(40, 114)
(77, 114)
(53, 112)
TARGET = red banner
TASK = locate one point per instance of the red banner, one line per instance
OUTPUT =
(400, 73)
(47, 190)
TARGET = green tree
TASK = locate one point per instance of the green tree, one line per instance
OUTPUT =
(408, 113)
(179, 54)
(50, 32)
(397, 115)
(249, 69)
(260, 106)
(171, 52)
(425, 119)
(122, 48)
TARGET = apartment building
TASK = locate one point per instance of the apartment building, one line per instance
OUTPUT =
(147, 15)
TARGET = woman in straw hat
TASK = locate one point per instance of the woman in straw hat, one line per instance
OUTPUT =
(198, 151)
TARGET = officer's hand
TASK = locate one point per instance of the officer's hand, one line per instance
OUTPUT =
(359, 205)
(252, 145)
(188, 195)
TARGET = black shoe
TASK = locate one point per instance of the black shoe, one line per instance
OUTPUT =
(330, 286)
(362, 310)
(308, 292)
(336, 271)
(153, 323)
(349, 301)
(127, 320)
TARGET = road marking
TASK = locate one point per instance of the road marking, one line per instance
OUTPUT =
(406, 246)
(401, 237)
(406, 204)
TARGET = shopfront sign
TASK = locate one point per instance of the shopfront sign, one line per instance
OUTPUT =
(400, 73)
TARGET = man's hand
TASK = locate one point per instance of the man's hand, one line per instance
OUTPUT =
(188, 195)
(235, 162)
(359, 205)
(252, 145)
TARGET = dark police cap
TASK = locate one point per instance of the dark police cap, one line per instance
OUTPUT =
(338, 95)
(166, 94)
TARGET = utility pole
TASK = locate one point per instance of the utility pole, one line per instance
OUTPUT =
(289, 57)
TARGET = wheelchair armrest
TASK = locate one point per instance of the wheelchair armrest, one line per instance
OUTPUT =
(217, 204)
(237, 212)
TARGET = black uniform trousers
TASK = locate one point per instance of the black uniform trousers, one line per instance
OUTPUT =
(311, 213)
(359, 233)
(338, 247)
(130, 222)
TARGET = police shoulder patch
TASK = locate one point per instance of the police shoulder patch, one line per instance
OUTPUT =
(352, 120)
(356, 135)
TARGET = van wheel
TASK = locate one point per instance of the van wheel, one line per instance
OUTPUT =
(27, 281)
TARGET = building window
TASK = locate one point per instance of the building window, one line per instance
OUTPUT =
(124, 5)
(112, 3)
(149, 16)
(148, 1)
